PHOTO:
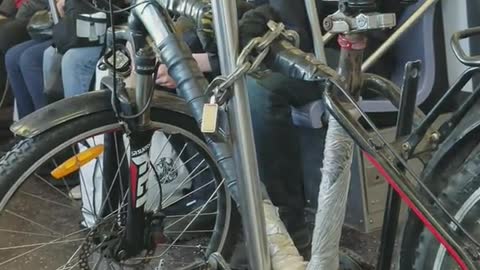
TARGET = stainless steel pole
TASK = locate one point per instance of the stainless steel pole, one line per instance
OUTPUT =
(53, 11)
(318, 44)
(414, 18)
(327, 37)
(226, 27)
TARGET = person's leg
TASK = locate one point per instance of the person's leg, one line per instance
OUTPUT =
(17, 81)
(78, 68)
(31, 65)
(277, 144)
(52, 78)
(12, 32)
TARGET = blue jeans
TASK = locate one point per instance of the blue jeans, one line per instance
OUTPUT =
(78, 67)
(24, 65)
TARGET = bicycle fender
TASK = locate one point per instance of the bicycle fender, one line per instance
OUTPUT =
(75, 107)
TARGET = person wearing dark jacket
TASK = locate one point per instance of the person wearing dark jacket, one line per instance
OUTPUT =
(271, 100)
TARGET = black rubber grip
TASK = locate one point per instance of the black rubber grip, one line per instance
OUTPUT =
(297, 64)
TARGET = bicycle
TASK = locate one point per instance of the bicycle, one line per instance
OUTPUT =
(130, 229)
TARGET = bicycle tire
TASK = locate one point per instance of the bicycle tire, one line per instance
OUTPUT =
(463, 186)
(436, 181)
(20, 159)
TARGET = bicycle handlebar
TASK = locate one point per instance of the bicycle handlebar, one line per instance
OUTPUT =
(458, 50)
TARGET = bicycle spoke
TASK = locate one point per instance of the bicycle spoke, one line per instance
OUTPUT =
(64, 181)
(194, 231)
(54, 241)
(31, 221)
(180, 246)
(167, 174)
(114, 180)
(83, 186)
(191, 215)
(41, 244)
(69, 261)
(26, 233)
(46, 200)
(163, 147)
(26, 253)
(118, 161)
(179, 154)
(98, 263)
(187, 215)
(65, 267)
(190, 223)
(187, 179)
(188, 194)
(52, 186)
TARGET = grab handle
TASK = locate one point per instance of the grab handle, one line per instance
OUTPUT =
(468, 60)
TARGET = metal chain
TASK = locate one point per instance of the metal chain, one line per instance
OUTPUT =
(249, 60)
(85, 250)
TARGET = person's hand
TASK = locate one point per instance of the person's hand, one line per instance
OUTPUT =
(254, 23)
(163, 78)
(61, 7)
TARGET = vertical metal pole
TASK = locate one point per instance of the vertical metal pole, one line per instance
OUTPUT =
(318, 44)
(404, 127)
(53, 11)
(226, 27)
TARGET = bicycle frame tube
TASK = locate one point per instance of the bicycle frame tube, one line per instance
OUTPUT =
(226, 28)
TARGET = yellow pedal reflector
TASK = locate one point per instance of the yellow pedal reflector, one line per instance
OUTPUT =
(74, 163)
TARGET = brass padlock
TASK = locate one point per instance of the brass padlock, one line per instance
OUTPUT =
(210, 116)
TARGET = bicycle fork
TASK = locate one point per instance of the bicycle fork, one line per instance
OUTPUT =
(137, 238)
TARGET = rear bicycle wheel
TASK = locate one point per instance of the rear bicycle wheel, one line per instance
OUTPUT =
(461, 197)
(44, 226)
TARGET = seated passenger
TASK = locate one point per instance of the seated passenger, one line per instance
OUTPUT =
(24, 64)
(14, 17)
(78, 60)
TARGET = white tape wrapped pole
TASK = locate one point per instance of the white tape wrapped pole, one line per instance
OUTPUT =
(283, 252)
(332, 198)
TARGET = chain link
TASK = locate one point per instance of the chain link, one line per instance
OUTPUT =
(249, 60)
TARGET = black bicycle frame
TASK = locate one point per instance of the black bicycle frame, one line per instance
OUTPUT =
(393, 167)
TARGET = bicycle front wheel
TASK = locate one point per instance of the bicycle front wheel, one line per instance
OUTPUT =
(76, 221)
